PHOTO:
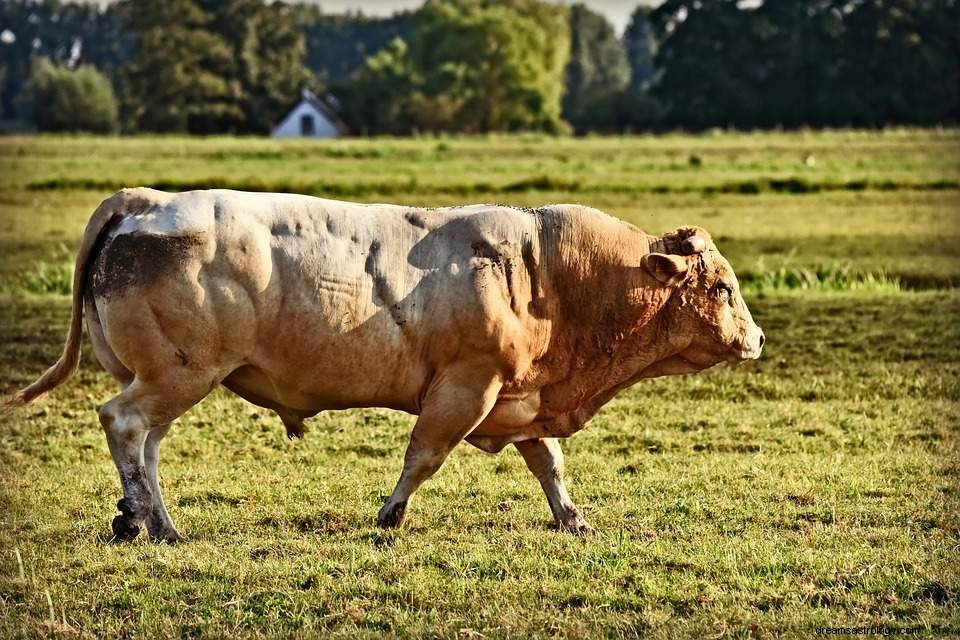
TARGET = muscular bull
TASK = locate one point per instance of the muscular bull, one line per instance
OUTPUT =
(492, 324)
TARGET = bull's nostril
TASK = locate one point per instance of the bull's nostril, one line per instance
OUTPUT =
(762, 339)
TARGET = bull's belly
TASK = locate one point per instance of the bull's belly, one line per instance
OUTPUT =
(316, 370)
(512, 418)
(311, 394)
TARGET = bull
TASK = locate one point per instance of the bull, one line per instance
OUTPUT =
(494, 325)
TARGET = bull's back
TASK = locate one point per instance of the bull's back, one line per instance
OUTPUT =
(318, 303)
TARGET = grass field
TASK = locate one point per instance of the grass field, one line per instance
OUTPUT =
(816, 487)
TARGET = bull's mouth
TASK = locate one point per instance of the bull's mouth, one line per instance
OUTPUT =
(698, 359)
(740, 353)
(747, 349)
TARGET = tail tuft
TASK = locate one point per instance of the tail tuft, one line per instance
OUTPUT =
(55, 375)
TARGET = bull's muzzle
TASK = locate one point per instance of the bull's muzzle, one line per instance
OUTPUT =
(753, 344)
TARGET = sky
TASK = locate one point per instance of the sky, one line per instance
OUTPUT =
(617, 11)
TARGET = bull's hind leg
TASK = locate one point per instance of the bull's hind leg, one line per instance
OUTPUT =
(135, 421)
(458, 400)
(159, 523)
(545, 459)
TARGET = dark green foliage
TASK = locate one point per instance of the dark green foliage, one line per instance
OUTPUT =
(64, 32)
(339, 44)
(828, 63)
(626, 110)
(377, 98)
(60, 99)
(597, 68)
(205, 66)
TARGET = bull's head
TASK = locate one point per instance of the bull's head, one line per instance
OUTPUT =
(708, 320)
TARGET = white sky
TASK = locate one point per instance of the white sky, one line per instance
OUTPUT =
(617, 11)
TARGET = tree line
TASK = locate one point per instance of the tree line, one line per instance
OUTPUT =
(236, 66)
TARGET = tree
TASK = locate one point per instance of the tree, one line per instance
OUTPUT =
(470, 66)
(598, 64)
(641, 46)
(820, 62)
(491, 66)
(379, 96)
(69, 34)
(339, 44)
(212, 66)
(61, 99)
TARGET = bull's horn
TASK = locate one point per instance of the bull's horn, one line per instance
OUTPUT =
(693, 244)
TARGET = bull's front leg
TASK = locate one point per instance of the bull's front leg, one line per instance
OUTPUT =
(545, 459)
(459, 398)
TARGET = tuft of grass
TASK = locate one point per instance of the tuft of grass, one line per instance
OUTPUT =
(44, 278)
(831, 278)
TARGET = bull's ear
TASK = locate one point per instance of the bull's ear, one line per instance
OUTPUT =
(668, 269)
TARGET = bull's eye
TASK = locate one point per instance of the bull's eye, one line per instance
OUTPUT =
(724, 292)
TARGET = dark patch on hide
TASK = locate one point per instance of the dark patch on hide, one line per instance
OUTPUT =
(483, 249)
(284, 228)
(415, 219)
(533, 210)
(138, 259)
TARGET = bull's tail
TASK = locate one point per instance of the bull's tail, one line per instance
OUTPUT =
(70, 358)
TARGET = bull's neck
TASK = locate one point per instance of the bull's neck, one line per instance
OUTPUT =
(604, 311)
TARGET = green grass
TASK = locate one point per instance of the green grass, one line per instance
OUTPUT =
(818, 486)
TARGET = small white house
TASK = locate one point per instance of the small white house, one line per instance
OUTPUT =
(310, 118)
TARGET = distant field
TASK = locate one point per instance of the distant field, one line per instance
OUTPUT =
(886, 202)
(819, 486)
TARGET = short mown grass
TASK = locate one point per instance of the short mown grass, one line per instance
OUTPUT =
(816, 487)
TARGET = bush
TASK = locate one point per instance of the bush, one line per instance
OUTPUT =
(61, 99)
(621, 111)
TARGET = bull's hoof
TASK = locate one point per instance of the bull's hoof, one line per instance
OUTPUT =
(570, 521)
(391, 516)
(578, 528)
(167, 537)
(163, 535)
(123, 529)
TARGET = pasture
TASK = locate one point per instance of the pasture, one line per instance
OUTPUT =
(816, 487)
